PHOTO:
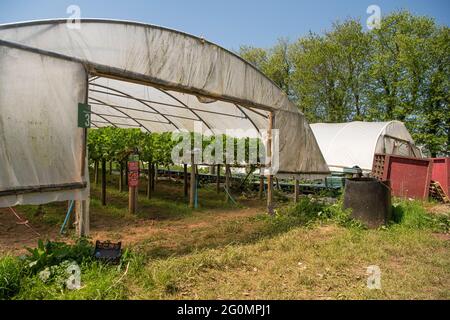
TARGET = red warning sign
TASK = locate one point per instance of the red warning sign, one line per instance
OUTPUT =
(133, 173)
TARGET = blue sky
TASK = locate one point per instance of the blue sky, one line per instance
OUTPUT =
(229, 23)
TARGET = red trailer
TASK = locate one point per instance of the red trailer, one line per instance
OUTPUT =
(441, 173)
(409, 177)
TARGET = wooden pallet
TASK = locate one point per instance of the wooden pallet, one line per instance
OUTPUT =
(378, 166)
(437, 192)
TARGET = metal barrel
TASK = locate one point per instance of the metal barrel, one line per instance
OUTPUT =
(369, 200)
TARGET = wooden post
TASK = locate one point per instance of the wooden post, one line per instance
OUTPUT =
(296, 191)
(96, 172)
(133, 188)
(82, 218)
(261, 185)
(149, 181)
(192, 188)
(82, 221)
(152, 172)
(218, 179)
(110, 167)
(121, 177)
(132, 200)
(153, 176)
(126, 173)
(185, 179)
(270, 177)
(103, 195)
(227, 180)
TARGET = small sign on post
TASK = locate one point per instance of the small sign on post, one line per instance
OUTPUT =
(133, 181)
(84, 115)
(133, 173)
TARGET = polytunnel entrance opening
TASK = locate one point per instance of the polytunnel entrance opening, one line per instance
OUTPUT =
(125, 104)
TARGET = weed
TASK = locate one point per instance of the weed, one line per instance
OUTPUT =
(53, 253)
(11, 271)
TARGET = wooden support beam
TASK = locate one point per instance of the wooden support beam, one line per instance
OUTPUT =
(270, 208)
(296, 191)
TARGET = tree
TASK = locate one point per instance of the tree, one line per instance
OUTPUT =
(397, 72)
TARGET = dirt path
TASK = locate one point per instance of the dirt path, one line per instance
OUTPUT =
(141, 229)
(14, 236)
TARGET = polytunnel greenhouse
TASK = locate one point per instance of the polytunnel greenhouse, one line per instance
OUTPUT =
(132, 75)
(345, 145)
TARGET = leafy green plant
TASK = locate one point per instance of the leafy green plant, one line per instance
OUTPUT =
(53, 253)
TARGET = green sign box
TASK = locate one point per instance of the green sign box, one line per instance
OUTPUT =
(84, 115)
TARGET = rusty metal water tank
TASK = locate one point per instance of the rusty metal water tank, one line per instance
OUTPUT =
(369, 199)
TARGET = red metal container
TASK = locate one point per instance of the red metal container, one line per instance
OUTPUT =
(441, 173)
(409, 177)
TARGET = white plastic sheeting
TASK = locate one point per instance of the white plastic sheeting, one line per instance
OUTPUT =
(39, 140)
(152, 78)
(355, 143)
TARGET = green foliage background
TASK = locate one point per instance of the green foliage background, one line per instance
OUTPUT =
(397, 72)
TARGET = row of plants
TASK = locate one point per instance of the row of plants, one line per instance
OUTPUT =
(115, 144)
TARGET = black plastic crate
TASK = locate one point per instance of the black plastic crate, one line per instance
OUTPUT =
(108, 252)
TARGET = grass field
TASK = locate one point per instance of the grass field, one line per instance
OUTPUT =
(222, 251)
